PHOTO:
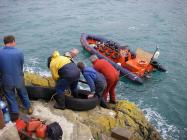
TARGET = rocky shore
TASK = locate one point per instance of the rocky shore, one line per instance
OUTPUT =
(124, 121)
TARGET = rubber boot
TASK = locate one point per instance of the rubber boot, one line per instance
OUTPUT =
(14, 116)
(112, 101)
(60, 101)
(104, 104)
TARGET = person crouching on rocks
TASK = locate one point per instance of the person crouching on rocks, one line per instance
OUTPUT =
(96, 82)
(66, 75)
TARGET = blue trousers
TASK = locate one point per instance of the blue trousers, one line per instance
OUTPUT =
(63, 84)
(99, 93)
(11, 98)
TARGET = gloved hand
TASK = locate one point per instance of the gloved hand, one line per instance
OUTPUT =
(91, 95)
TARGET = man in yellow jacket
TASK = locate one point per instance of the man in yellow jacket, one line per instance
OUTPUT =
(66, 74)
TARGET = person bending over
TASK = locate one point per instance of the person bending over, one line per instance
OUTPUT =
(66, 75)
(96, 82)
(111, 76)
(11, 71)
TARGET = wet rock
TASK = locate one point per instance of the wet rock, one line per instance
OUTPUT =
(38, 80)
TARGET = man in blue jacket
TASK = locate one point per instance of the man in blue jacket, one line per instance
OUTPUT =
(11, 71)
(96, 82)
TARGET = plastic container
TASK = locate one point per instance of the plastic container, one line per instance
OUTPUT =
(5, 111)
(41, 131)
(20, 124)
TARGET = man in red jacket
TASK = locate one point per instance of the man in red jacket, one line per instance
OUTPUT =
(111, 75)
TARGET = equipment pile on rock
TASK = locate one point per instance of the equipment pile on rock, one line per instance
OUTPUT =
(35, 128)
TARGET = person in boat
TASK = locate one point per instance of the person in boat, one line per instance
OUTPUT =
(111, 76)
(11, 71)
(125, 55)
(66, 75)
(72, 54)
(96, 82)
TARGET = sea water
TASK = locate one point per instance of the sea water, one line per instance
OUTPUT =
(42, 26)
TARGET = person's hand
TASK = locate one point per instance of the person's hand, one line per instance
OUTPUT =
(91, 95)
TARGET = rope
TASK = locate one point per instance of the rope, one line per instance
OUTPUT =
(66, 92)
(52, 97)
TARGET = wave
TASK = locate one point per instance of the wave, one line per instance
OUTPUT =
(168, 131)
(132, 28)
(36, 70)
(33, 66)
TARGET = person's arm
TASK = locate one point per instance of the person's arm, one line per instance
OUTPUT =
(90, 82)
(22, 60)
(54, 73)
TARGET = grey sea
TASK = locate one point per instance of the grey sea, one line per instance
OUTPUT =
(42, 26)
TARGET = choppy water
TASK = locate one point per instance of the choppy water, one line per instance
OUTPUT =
(42, 26)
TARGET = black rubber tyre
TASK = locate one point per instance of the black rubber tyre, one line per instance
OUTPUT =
(38, 92)
(80, 104)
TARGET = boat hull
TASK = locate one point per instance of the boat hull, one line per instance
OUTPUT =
(123, 71)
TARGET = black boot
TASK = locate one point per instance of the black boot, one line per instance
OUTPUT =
(104, 104)
(14, 116)
(60, 101)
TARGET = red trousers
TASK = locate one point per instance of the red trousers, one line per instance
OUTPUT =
(111, 84)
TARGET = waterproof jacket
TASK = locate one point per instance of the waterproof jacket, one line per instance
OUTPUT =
(104, 67)
(63, 67)
(94, 78)
(11, 66)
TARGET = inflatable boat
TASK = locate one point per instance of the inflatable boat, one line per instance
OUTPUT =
(135, 66)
